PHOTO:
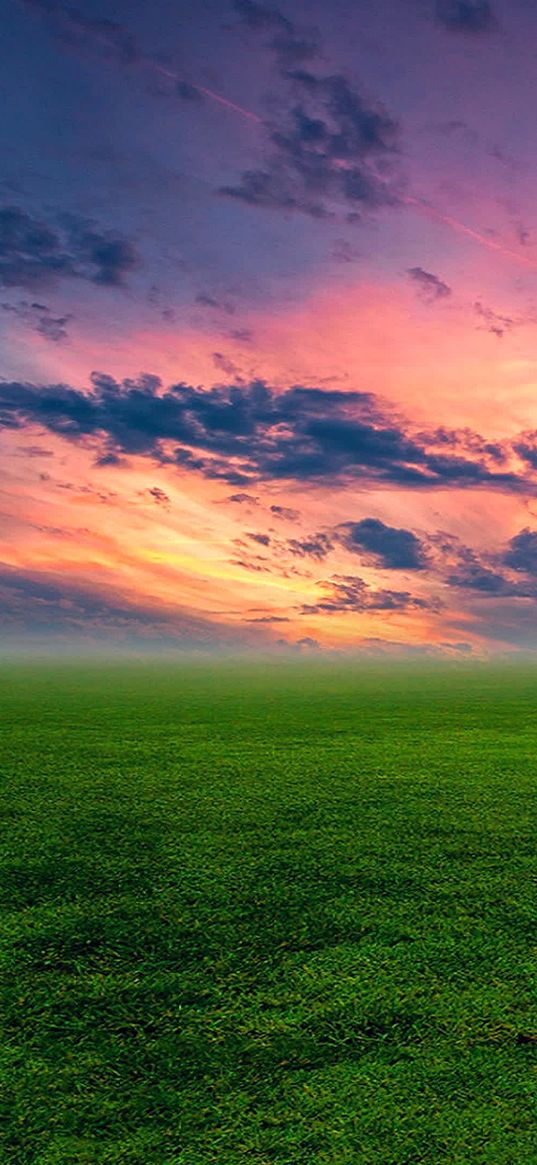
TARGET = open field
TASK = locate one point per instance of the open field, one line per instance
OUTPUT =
(269, 915)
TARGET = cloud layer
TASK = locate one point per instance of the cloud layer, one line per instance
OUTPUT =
(246, 433)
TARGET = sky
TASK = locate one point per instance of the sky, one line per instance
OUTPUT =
(268, 324)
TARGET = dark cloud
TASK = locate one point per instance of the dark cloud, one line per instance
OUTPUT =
(110, 459)
(39, 318)
(289, 45)
(206, 300)
(317, 546)
(474, 576)
(251, 564)
(105, 497)
(262, 16)
(333, 147)
(73, 27)
(285, 512)
(347, 593)
(492, 575)
(430, 286)
(526, 447)
(36, 253)
(521, 554)
(523, 234)
(226, 365)
(465, 15)
(34, 451)
(268, 619)
(388, 546)
(468, 441)
(187, 92)
(114, 40)
(493, 322)
(159, 496)
(244, 433)
(243, 499)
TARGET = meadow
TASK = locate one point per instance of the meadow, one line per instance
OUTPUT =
(269, 914)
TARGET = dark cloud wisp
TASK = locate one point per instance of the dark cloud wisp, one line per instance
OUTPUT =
(288, 44)
(75, 28)
(348, 593)
(39, 317)
(466, 16)
(429, 285)
(34, 252)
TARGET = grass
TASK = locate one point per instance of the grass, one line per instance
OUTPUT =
(278, 915)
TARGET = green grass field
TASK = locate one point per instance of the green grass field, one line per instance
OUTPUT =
(269, 914)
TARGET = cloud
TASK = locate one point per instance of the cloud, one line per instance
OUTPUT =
(285, 512)
(493, 322)
(247, 433)
(526, 447)
(494, 575)
(114, 40)
(430, 287)
(472, 575)
(466, 16)
(46, 605)
(206, 300)
(110, 459)
(159, 496)
(467, 440)
(348, 593)
(504, 621)
(269, 619)
(226, 365)
(187, 92)
(388, 546)
(243, 499)
(34, 451)
(36, 253)
(282, 551)
(104, 497)
(289, 45)
(317, 546)
(74, 27)
(262, 16)
(521, 554)
(523, 234)
(333, 147)
(251, 564)
(39, 318)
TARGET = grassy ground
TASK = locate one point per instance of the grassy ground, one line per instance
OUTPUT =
(268, 916)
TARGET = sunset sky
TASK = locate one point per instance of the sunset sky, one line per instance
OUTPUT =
(268, 319)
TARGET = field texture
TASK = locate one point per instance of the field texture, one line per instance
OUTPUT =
(269, 915)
